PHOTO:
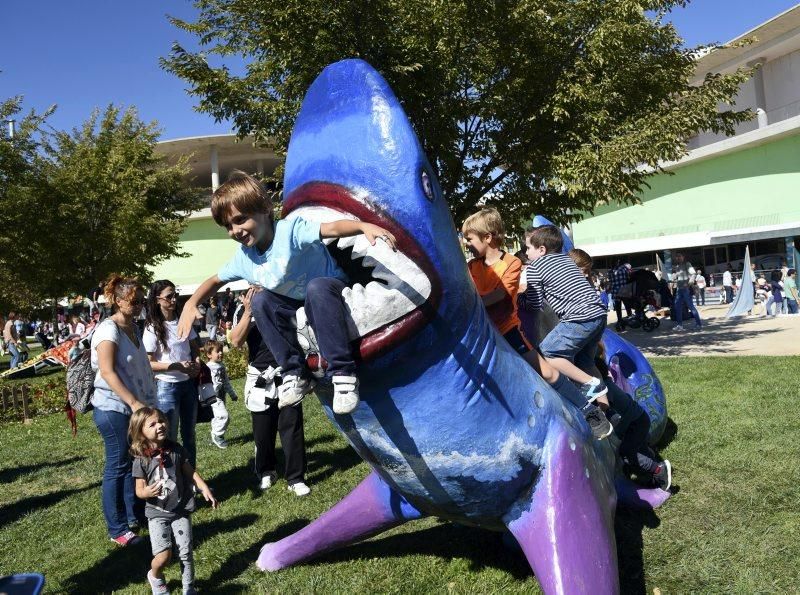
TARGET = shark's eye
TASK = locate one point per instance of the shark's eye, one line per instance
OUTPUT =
(427, 186)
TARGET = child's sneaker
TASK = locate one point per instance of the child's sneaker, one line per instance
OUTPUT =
(593, 389)
(293, 389)
(126, 539)
(663, 475)
(345, 394)
(268, 480)
(158, 585)
(219, 442)
(299, 489)
(600, 426)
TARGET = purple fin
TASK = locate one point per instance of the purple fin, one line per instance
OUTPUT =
(631, 495)
(371, 508)
(567, 528)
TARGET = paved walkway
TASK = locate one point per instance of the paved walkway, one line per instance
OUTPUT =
(750, 335)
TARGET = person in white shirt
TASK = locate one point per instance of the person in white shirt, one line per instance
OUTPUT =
(175, 363)
(727, 284)
(700, 285)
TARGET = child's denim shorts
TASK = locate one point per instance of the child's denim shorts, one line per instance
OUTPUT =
(575, 341)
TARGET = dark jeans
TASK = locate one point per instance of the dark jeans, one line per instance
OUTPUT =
(289, 423)
(701, 296)
(792, 305)
(120, 504)
(728, 294)
(325, 309)
(178, 401)
(682, 297)
(634, 450)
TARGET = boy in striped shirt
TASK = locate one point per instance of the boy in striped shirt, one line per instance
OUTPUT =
(496, 276)
(571, 346)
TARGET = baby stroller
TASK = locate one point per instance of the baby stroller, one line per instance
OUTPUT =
(639, 295)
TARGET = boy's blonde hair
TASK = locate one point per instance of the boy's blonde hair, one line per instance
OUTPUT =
(139, 444)
(212, 346)
(242, 191)
(484, 222)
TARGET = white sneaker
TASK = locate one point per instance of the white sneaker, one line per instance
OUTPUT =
(268, 480)
(677, 327)
(345, 394)
(219, 442)
(299, 489)
(293, 389)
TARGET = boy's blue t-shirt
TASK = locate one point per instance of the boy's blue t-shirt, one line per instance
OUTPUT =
(295, 257)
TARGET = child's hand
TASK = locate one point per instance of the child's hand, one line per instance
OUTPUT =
(150, 491)
(209, 496)
(373, 233)
(187, 318)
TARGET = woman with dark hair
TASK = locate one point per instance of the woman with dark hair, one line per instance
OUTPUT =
(123, 384)
(175, 362)
(776, 295)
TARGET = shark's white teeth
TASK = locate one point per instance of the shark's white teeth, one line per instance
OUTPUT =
(344, 243)
(399, 285)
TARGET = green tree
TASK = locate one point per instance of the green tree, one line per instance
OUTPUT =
(532, 106)
(120, 206)
(82, 204)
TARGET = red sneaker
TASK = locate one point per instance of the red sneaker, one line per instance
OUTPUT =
(126, 539)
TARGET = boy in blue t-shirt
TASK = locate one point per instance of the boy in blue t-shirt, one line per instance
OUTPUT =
(288, 260)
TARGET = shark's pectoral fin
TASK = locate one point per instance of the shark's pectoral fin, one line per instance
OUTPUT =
(566, 526)
(372, 507)
(631, 495)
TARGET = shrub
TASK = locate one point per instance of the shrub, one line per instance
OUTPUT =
(236, 362)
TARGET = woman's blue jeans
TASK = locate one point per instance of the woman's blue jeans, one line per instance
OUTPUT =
(178, 401)
(120, 504)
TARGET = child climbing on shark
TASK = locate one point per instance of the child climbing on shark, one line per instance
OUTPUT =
(496, 275)
(289, 261)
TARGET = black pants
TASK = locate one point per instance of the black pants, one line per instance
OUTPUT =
(618, 310)
(289, 422)
(325, 309)
(634, 450)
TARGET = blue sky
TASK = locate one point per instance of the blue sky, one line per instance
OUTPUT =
(89, 53)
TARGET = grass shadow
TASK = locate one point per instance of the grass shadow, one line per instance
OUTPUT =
(670, 433)
(128, 566)
(482, 548)
(629, 525)
(325, 463)
(239, 561)
(12, 512)
(13, 473)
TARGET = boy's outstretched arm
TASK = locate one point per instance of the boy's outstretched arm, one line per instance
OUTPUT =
(207, 288)
(346, 227)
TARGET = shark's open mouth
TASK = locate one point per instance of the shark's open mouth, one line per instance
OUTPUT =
(391, 294)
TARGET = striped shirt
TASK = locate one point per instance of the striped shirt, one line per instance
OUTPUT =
(557, 279)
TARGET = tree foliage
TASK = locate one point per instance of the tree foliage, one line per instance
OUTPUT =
(79, 205)
(532, 106)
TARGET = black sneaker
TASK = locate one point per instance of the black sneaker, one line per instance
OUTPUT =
(601, 427)
(663, 475)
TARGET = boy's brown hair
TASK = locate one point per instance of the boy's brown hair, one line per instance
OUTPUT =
(212, 346)
(242, 191)
(548, 236)
(484, 222)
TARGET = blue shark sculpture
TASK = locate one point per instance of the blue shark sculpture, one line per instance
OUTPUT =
(452, 421)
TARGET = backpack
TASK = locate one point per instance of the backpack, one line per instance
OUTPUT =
(80, 382)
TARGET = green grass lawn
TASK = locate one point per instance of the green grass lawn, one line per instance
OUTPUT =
(734, 526)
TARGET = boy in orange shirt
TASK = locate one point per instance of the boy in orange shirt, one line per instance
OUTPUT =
(496, 275)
